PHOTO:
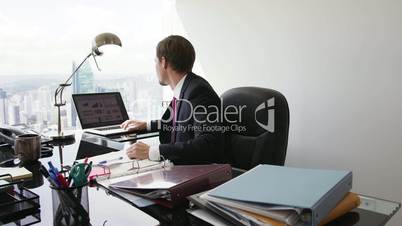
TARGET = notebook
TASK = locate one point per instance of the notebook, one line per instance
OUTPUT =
(16, 172)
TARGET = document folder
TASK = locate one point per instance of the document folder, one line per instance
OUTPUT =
(316, 192)
(177, 182)
(121, 165)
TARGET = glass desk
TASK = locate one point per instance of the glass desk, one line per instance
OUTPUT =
(105, 209)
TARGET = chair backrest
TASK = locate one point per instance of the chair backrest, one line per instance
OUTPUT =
(258, 134)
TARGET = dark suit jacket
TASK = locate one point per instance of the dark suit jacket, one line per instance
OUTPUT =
(196, 137)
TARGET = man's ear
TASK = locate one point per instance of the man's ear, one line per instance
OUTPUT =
(164, 63)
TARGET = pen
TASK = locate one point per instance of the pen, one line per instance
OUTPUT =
(88, 169)
(53, 173)
(52, 168)
(54, 178)
(62, 180)
(46, 174)
(110, 160)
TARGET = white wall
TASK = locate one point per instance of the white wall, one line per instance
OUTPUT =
(339, 63)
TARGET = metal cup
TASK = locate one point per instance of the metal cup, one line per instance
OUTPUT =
(27, 147)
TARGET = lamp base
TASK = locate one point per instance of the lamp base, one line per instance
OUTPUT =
(64, 137)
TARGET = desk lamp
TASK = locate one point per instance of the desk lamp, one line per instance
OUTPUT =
(100, 40)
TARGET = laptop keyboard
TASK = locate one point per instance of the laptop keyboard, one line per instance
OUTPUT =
(109, 128)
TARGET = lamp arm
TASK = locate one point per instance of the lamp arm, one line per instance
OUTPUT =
(79, 66)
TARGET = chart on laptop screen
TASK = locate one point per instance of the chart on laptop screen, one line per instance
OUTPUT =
(100, 108)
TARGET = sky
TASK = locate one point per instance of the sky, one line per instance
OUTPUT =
(45, 36)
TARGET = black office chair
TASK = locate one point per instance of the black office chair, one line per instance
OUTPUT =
(261, 136)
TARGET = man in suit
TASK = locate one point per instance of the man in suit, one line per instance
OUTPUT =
(189, 129)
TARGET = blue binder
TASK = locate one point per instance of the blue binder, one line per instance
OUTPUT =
(316, 190)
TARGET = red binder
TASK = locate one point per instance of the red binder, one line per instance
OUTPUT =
(175, 183)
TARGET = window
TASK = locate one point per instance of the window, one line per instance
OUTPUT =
(42, 42)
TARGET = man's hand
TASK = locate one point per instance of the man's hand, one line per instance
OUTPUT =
(138, 150)
(134, 125)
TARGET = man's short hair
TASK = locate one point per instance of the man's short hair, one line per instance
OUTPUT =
(178, 52)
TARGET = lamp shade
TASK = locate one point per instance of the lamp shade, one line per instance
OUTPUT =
(104, 39)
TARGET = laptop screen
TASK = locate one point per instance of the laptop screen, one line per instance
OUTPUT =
(100, 109)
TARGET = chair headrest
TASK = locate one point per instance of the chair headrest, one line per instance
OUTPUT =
(260, 110)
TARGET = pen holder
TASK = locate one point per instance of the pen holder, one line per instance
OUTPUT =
(70, 206)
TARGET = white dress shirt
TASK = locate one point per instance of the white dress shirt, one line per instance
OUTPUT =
(154, 154)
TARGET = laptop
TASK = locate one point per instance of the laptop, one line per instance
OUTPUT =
(101, 113)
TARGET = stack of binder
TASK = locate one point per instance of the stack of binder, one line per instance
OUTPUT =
(114, 167)
(170, 186)
(283, 196)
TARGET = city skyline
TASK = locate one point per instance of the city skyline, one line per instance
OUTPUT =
(141, 94)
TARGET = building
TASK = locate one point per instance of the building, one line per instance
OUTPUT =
(3, 107)
(14, 115)
(82, 82)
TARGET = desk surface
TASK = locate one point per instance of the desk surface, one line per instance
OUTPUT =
(102, 208)
(105, 208)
